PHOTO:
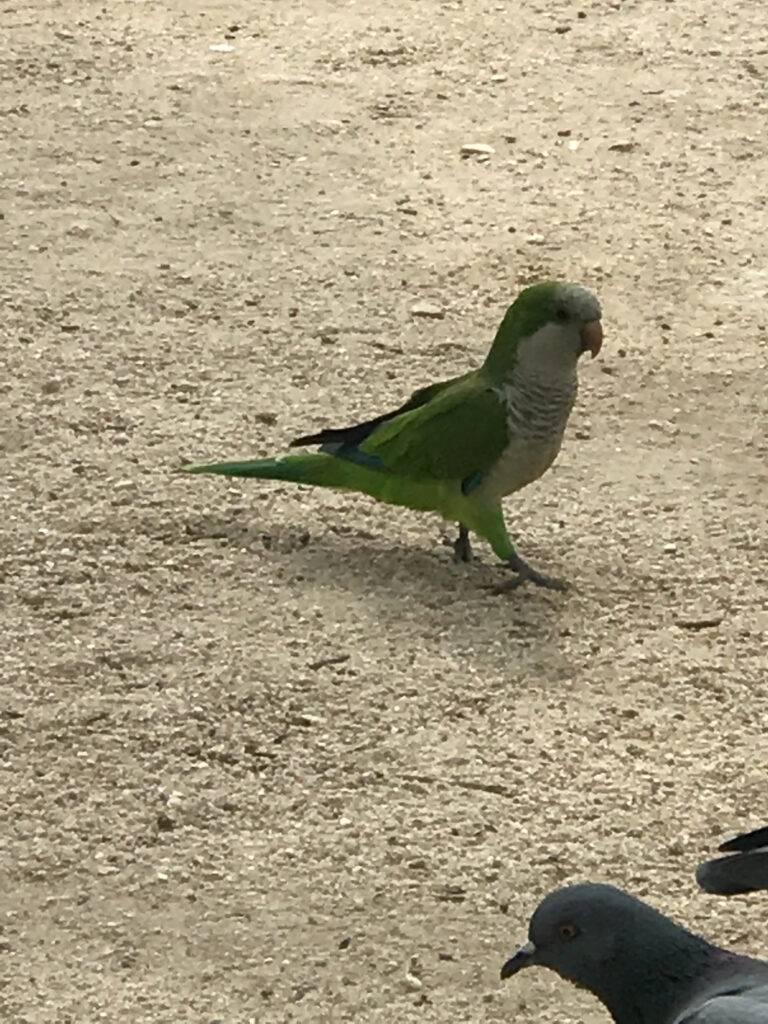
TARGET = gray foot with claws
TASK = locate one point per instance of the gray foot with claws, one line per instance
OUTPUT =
(526, 574)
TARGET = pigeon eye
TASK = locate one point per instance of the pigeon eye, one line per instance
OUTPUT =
(567, 931)
(561, 313)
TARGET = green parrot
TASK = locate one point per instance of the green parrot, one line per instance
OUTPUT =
(459, 446)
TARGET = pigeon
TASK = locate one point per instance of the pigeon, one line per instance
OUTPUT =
(744, 870)
(645, 968)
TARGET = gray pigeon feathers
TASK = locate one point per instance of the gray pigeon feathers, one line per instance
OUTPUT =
(645, 968)
(744, 870)
(748, 1008)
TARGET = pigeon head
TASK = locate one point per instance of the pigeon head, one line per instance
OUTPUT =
(572, 931)
(602, 939)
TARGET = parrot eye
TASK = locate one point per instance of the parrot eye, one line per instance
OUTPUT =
(567, 931)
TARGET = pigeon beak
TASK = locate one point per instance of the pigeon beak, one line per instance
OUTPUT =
(592, 337)
(524, 957)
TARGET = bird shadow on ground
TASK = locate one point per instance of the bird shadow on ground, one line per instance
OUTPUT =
(346, 559)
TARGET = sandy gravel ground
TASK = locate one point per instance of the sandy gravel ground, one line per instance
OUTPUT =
(267, 754)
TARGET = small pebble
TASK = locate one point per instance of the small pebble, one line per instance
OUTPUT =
(428, 310)
(477, 149)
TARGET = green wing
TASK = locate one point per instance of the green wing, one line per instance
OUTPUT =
(457, 435)
(351, 437)
(423, 395)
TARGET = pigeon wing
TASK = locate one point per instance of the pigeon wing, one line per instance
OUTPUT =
(744, 1005)
(743, 1009)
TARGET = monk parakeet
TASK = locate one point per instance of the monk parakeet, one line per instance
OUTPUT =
(459, 446)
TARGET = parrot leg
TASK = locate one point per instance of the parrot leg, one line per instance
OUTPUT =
(488, 521)
(462, 549)
(526, 574)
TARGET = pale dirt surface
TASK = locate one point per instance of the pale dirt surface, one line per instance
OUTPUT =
(205, 253)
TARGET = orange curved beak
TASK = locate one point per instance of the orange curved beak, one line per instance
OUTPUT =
(592, 337)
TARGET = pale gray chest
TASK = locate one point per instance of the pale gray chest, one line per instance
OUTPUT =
(537, 414)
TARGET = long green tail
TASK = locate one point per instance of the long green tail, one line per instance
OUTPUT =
(321, 470)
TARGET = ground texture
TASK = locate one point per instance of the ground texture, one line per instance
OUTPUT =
(267, 754)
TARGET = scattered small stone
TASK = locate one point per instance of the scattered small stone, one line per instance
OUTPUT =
(414, 983)
(428, 310)
(418, 864)
(50, 387)
(79, 231)
(623, 147)
(700, 621)
(165, 822)
(477, 149)
(337, 659)
(270, 418)
(344, 944)
(451, 894)
(306, 721)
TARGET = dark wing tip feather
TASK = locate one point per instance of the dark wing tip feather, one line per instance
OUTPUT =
(753, 840)
(307, 439)
(737, 873)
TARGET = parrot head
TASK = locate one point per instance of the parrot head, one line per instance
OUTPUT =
(546, 329)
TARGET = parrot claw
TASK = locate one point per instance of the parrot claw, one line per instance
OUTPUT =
(526, 574)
